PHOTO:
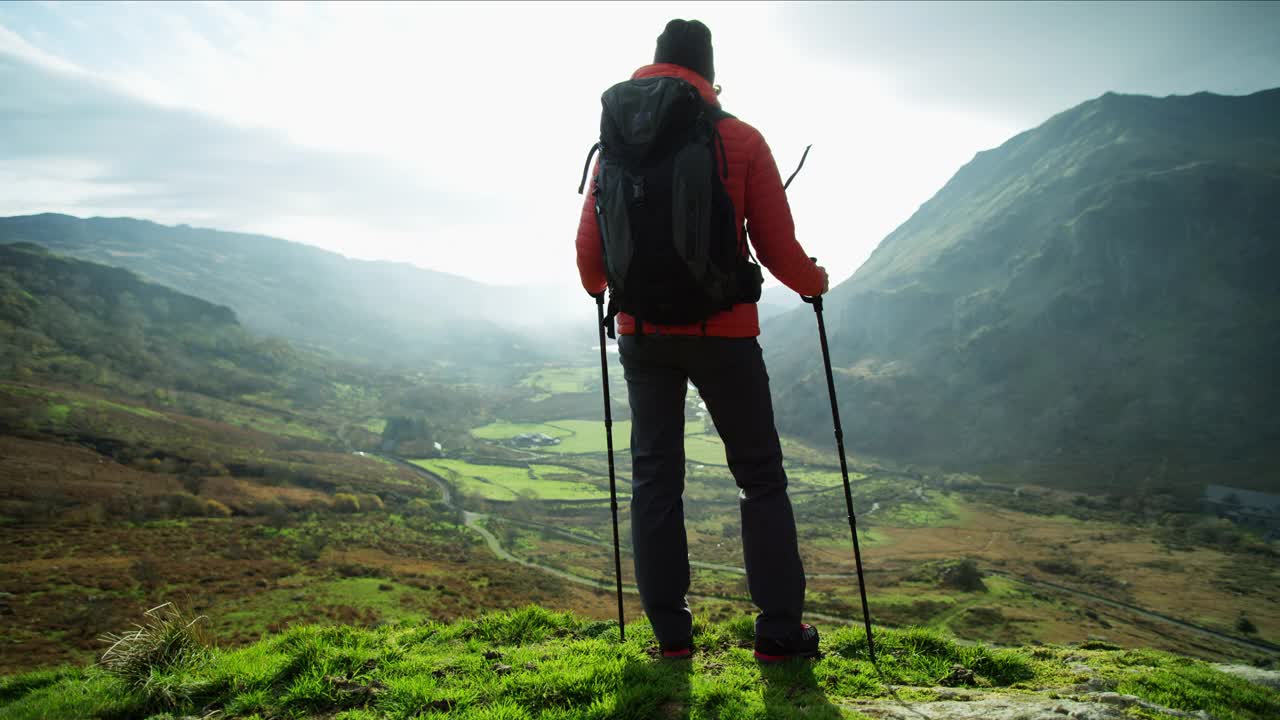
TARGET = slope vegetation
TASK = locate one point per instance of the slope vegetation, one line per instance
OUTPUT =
(379, 312)
(1097, 295)
(534, 664)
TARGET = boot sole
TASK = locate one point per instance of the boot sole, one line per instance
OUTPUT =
(765, 659)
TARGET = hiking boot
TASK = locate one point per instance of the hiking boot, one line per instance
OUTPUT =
(802, 644)
(676, 651)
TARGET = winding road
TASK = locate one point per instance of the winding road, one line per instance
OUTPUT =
(475, 521)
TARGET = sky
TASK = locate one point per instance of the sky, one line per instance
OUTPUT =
(452, 136)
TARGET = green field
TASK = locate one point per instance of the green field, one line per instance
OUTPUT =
(820, 478)
(587, 436)
(507, 483)
(506, 430)
(704, 449)
(563, 380)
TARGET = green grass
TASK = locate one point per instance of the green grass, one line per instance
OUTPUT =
(531, 663)
(820, 478)
(506, 430)
(704, 449)
(1194, 686)
(279, 426)
(58, 413)
(587, 436)
(577, 437)
(507, 483)
(563, 380)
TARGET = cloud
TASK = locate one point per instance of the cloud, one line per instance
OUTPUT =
(111, 149)
(452, 135)
(1025, 61)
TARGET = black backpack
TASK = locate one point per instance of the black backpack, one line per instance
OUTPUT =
(672, 251)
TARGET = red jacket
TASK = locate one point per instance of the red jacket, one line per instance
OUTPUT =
(756, 190)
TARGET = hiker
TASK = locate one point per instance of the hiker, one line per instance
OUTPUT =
(721, 357)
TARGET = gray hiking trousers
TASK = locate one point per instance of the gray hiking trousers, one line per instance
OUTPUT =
(731, 378)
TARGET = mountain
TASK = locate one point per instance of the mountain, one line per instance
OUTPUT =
(1096, 299)
(389, 313)
(777, 300)
(73, 321)
(79, 326)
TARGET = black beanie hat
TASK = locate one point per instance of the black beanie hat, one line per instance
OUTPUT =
(687, 43)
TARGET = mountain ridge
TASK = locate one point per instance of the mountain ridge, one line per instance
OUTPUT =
(1097, 286)
(378, 312)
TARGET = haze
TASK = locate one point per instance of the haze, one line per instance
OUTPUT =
(451, 136)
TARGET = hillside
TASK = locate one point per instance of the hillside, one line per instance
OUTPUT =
(154, 449)
(1096, 298)
(71, 320)
(534, 664)
(379, 312)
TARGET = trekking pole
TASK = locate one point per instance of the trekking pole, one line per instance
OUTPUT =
(799, 167)
(816, 302)
(613, 488)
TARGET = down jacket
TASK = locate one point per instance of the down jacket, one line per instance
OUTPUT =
(755, 187)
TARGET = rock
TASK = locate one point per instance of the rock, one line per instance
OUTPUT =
(1001, 707)
(1005, 707)
(493, 655)
(960, 675)
(501, 669)
(1269, 678)
(353, 687)
(1125, 702)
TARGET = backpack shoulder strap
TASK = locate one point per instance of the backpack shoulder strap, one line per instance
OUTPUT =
(587, 168)
(717, 114)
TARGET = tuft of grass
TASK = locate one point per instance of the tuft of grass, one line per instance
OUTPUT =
(167, 639)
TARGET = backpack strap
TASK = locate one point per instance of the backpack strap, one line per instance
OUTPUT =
(724, 154)
(587, 168)
(610, 314)
(715, 114)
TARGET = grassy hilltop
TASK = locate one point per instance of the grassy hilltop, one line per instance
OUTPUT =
(531, 663)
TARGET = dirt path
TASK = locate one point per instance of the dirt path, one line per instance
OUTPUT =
(475, 521)
(1143, 612)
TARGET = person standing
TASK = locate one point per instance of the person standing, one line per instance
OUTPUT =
(722, 358)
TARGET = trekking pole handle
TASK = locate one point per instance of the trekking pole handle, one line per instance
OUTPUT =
(787, 184)
(814, 300)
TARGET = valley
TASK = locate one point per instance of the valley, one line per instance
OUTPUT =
(288, 523)
(1048, 575)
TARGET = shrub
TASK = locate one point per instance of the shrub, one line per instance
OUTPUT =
(92, 514)
(183, 505)
(213, 508)
(963, 575)
(346, 503)
(369, 501)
